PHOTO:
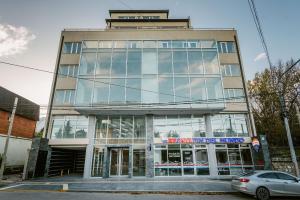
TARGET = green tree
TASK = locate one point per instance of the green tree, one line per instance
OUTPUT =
(264, 94)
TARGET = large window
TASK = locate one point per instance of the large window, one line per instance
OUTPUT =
(68, 71)
(146, 72)
(69, 127)
(120, 130)
(232, 159)
(227, 47)
(72, 47)
(230, 125)
(184, 126)
(180, 160)
(234, 95)
(64, 97)
(231, 70)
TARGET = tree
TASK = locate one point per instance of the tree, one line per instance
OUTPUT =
(264, 94)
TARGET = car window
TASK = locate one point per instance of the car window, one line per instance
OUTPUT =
(285, 176)
(268, 175)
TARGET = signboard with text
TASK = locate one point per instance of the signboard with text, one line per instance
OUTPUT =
(212, 140)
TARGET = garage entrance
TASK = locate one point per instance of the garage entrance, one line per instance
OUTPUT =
(66, 162)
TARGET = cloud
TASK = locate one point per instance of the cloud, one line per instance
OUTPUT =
(260, 56)
(14, 40)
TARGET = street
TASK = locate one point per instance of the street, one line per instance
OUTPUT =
(125, 196)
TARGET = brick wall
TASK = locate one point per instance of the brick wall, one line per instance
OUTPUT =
(22, 127)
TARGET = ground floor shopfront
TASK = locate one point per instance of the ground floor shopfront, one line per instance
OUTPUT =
(164, 145)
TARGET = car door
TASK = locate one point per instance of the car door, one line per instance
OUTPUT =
(291, 184)
(273, 183)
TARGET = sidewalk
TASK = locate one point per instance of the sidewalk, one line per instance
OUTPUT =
(162, 185)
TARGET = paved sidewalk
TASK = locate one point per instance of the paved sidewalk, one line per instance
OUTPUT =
(170, 185)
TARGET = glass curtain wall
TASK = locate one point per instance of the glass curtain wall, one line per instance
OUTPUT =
(120, 130)
(232, 159)
(180, 160)
(145, 72)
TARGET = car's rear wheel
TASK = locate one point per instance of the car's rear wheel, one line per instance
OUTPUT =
(262, 193)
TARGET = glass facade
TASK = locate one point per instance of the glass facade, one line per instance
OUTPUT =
(181, 160)
(232, 159)
(230, 125)
(120, 130)
(69, 127)
(143, 72)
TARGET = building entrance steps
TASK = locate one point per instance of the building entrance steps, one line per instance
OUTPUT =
(170, 185)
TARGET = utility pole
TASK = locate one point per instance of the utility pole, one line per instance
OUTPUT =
(287, 128)
(11, 121)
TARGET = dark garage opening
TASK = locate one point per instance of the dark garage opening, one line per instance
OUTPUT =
(66, 162)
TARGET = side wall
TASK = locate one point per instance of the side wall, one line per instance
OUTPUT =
(17, 150)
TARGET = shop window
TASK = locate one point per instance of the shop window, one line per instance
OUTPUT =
(97, 165)
(139, 162)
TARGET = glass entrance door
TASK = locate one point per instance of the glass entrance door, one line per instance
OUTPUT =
(188, 162)
(119, 159)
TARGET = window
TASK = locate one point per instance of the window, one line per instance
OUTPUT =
(195, 62)
(227, 47)
(87, 64)
(165, 62)
(231, 70)
(211, 64)
(133, 90)
(118, 66)
(134, 63)
(233, 125)
(84, 91)
(268, 175)
(103, 63)
(101, 91)
(285, 177)
(117, 90)
(166, 94)
(180, 62)
(149, 61)
(72, 47)
(64, 97)
(182, 89)
(69, 127)
(234, 95)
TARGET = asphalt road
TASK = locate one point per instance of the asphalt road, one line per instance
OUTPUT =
(101, 196)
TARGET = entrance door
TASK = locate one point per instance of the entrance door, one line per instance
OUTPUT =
(188, 162)
(119, 162)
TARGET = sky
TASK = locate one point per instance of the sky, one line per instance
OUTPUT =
(30, 32)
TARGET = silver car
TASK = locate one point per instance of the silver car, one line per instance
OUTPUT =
(264, 184)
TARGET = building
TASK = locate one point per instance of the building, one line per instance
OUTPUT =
(27, 114)
(148, 96)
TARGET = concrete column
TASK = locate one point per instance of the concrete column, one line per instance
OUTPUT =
(106, 163)
(211, 150)
(48, 162)
(149, 146)
(130, 157)
(89, 147)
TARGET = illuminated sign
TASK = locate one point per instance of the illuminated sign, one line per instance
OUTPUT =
(199, 140)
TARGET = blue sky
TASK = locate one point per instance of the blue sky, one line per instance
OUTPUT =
(36, 44)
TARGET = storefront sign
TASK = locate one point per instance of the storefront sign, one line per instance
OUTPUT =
(198, 140)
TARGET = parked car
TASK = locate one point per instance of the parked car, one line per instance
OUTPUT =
(263, 184)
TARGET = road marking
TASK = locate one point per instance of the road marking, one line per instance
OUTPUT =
(65, 187)
(8, 187)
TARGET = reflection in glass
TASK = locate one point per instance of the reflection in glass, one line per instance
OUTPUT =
(117, 90)
(84, 91)
(150, 90)
(149, 61)
(201, 162)
(211, 62)
(101, 91)
(101, 127)
(161, 162)
(214, 89)
(118, 66)
(182, 89)
(139, 162)
(103, 64)
(126, 127)
(133, 90)
(139, 127)
(198, 89)
(166, 90)
(195, 62)
(165, 62)
(180, 62)
(87, 63)
(97, 168)
(114, 127)
(134, 63)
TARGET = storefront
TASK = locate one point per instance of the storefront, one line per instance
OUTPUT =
(175, 145)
